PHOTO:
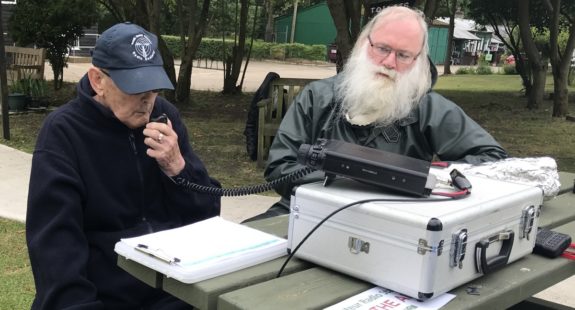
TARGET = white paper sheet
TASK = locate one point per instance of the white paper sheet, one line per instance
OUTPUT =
(382, 298)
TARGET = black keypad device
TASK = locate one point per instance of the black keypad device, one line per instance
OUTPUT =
(551, 243)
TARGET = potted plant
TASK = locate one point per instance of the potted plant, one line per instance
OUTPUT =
(17, 96)
(37, 90)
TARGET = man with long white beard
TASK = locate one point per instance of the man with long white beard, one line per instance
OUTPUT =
(382, 99)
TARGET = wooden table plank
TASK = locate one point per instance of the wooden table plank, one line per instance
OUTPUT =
(274, 225)
(204, 294)
(314, 288)
(558, 211)
(567, 180)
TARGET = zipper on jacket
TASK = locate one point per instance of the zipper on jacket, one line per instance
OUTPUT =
(132, 139)
(133, 144)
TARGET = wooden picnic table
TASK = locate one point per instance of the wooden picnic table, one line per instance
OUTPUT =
(304, 285)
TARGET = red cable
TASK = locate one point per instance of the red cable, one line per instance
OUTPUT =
(459, 194)
(443, 164)
(568, 253)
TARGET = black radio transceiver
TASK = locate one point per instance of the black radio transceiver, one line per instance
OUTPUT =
(385, 169)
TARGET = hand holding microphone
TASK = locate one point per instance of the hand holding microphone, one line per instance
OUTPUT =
(163, 145)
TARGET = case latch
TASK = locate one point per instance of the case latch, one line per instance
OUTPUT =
(527, 221)
(357, 245)
(423, 247)
(458, 248)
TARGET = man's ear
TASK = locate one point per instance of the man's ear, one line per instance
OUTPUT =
(96, 80)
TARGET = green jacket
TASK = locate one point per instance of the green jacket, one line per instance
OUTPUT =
(438, 127)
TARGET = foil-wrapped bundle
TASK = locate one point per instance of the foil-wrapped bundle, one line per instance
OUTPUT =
(535, 171)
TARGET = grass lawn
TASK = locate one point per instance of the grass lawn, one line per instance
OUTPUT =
(216, 125)
(495, 102)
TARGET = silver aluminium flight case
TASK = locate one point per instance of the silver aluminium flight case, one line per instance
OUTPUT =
(420, 249)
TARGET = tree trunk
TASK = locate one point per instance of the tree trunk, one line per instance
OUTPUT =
(430, 8)
(534, 58)
(560, 92)
(241, 85)
(4, 86)
(342, 16)
(560, 60)
(353, 9)
(524, 72)
(449, 52)
(191, 37)
(537, 92)
(168, 59)
(154, 13)
(269, 34)
(235, 63)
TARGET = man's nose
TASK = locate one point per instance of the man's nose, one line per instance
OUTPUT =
(390, 61)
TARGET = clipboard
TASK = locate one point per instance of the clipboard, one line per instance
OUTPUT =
(202, 250)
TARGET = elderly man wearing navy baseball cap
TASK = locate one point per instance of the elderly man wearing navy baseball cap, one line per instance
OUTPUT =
(103, 170)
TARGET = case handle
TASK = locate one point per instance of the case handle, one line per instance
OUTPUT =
(487, 266)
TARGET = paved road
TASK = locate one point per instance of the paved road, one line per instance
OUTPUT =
(213, 79)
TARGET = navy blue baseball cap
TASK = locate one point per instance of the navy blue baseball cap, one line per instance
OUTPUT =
(130, 56)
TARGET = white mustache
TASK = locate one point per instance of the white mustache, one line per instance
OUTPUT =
(392, 74)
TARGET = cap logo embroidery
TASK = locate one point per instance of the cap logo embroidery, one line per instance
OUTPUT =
(142, 47)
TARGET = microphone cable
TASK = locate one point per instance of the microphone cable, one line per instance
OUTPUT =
(244, 190)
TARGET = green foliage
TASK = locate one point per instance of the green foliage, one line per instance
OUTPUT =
(54, 25)
(30, 87)
(311, 52)
(174, 45)
(464, 70)
(213, 49)
(487, 12)
(278, 51)
(18, 87)
(262, 50)
(509, 69)
(483, 69)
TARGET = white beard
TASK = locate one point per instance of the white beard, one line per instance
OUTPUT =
(369, 98)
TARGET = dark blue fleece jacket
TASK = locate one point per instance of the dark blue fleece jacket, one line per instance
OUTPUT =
(91, 184)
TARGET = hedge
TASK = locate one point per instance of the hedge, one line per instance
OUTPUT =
(212, 49)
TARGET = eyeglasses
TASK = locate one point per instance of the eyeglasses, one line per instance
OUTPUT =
(155, 91)
(383, 51)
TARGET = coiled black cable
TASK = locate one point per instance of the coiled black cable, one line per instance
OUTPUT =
(245, 190)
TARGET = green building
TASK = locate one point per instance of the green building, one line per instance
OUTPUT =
(314, 25)
(437, 35)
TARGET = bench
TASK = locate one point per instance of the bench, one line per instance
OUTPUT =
(271, 110)
(24, 63)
